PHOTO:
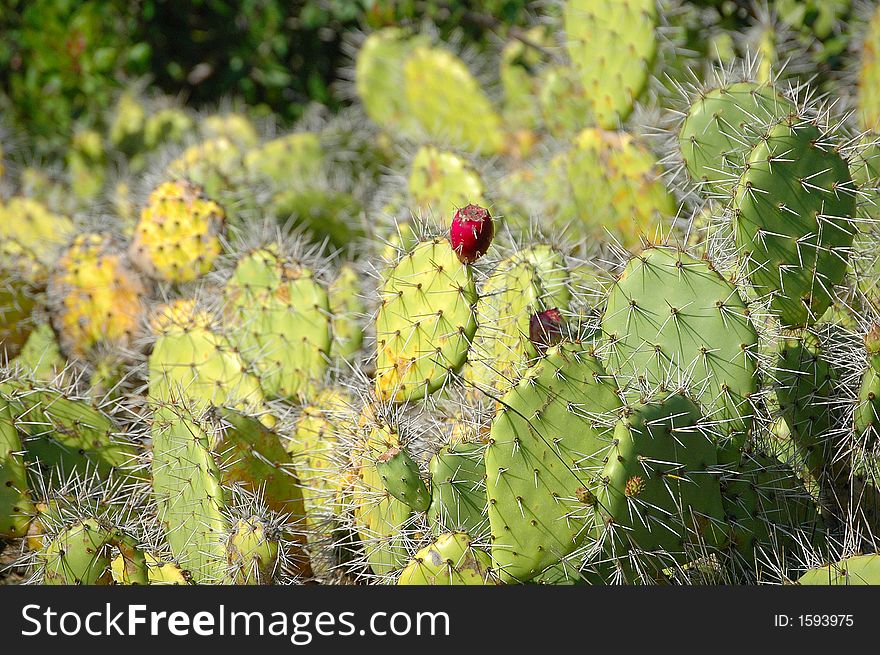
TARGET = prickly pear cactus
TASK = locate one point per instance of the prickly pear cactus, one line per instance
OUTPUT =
(402, 479)
(216, 165)
(40, 357)
(294, 159)
(450, 560)
(673, 321)
(21, 281)
(193, 360)
(178, 236)
(97, 296)
(805, 390)
(69, 435)
(529, 281)
(425, 322)
(448, 103)
(188, 493)
(547, 441)
(772, 521)
(855, 570)
(347, 307)
(314, 447)
(611, 184)
(82, 553)
(380, 519)
(16, 506)
(660, 493)
(441, 182)
(280, 322)
(721, 128)
(458, 489)
(36, 229)
(612, 45)
(795, 210)
(379, 77)
(253, 552)
(869, 77)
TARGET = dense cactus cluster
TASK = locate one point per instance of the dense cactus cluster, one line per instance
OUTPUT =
(610, 320)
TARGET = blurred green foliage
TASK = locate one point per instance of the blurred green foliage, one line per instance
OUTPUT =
(62, 62)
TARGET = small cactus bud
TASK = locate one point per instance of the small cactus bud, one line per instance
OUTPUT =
(546, 329)
(471, 233)
(585, 496)
(634, 486)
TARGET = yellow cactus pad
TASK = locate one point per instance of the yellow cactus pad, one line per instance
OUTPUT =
(99, 297)
(177, 238)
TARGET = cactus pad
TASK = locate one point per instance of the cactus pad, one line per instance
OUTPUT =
(450, 560)
(280, 317)
(448, 103)
(613, 46)
(99, 298)
(795, 210)
(425, 322)
(722, 126)
(673, 320)
(551, 432)
(178, 236)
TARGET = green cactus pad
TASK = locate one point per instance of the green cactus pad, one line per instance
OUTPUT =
(379, 517)
(517, 73)
(82, 554)
(566, 107)
(16, 507)
(294, 159)
(794, 219)
(190, 358)
(280, 322)
(612, 45)
(441, 182)
(253, 552)
(867, 412)
(855, 570)
(314, 447)
(458, 489)
(216, 165)
(548, 437)
(69, 435)
(188, 493)
(805, 390)
(770, 515)
(21, 280)
(41, 355)
(721, 128)
(530, 281)
(673, 320)
(401, 478)
(379, 79)
(251, 455)
(448, 103)
(425, 323)
(450, 560)
(869, 77)
(34, 228)
(660, 493)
